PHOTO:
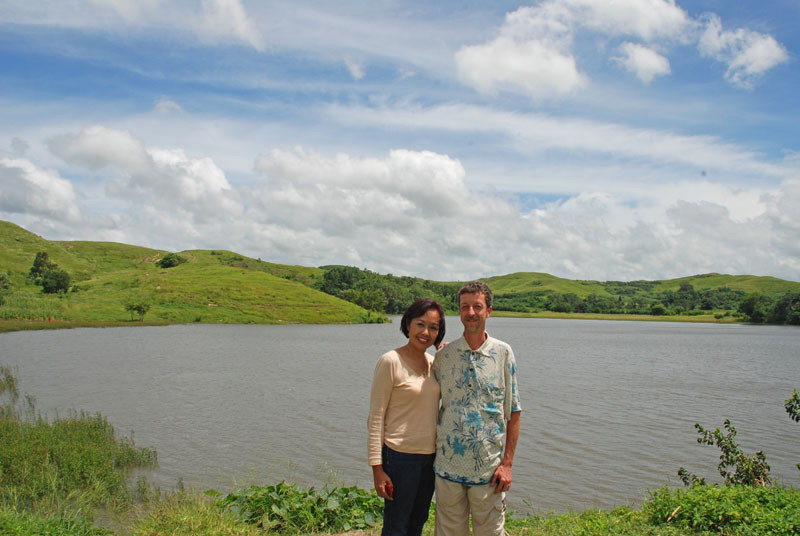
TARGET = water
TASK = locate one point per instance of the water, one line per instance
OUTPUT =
(608, 407)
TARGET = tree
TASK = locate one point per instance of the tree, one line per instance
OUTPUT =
(786, 310)
(138, 306)
(756, 307)
(170, 260)
(5, 281)
(41, 264)
(55, 280)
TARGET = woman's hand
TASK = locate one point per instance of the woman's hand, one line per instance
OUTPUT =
(383, 484)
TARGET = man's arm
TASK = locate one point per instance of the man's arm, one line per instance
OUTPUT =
(502, 475)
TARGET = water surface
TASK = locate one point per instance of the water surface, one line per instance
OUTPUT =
(608, 406)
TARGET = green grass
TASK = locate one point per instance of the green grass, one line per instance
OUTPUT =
(14, 523)
(710, 317)
(213, 287)
(534, 281)
(748, 283)
(71, 459)
(184, 514)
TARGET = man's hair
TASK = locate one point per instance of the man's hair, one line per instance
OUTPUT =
(418, 309)
(476, 287)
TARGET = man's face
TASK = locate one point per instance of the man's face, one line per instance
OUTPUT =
(474, 312)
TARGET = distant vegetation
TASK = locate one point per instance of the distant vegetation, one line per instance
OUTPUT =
(743, 298)
(104, 283)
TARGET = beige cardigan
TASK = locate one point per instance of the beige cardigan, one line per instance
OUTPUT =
(403, 409)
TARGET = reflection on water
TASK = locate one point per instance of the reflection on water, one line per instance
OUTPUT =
(608, 407)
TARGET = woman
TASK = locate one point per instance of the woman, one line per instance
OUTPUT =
(404, 406)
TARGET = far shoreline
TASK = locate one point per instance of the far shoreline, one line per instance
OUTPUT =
(8, 326)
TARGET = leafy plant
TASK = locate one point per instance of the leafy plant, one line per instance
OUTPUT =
(734, 466)
(745, 510)
(284, 508)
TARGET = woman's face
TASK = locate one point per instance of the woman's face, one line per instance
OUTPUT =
(423, 330)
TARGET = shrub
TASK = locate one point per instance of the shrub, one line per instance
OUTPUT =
(55, 280)
(170, 260)
(726, 509)
(286, 509)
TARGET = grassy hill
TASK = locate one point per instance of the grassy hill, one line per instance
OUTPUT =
(226, 287)
(213, 286)
(534, 281)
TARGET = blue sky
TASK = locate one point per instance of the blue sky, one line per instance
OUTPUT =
(590, 139)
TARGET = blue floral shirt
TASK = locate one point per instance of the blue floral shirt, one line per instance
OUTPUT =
(479, 393)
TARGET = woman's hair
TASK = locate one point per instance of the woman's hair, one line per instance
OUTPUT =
(418, 309)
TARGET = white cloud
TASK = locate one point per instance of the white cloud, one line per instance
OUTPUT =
(646, 19)
(97, 147)
(535, 134)
(166, 106)
(355, 68)
(227, 19)
(530, 54)
(28, 189)
(164, 177)
(748, 54)
(533, 51)
(644, 62)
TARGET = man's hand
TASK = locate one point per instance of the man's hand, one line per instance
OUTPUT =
(501, 480)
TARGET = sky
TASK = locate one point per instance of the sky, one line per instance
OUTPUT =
(453, 140)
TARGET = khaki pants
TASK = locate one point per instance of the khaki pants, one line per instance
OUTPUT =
(455, 502)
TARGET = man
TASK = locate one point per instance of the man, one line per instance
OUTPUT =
(478, 423)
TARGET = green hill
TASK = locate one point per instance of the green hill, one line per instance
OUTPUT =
(224, 286)
(213, 286)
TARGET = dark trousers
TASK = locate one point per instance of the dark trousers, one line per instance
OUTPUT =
(413, 481)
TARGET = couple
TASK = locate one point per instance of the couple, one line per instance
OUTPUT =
(464, 448)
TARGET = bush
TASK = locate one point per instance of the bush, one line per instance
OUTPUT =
(727, 509)
(170, 260)
(285, 509)
(55, 280)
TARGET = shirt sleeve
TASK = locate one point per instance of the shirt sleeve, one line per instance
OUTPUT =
(382, 383)
(511, 403)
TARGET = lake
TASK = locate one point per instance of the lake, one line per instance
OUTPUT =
(608, 406)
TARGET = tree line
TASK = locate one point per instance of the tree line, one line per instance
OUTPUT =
(392, 294)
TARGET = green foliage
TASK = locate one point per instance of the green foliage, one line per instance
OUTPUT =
(14, 523)
(171, 260)
(55, 280)
(385, 293)
(41, 264)
(792, 406)
(46, 463)
(786, 310)
(5, 282)
(756, 307)
(732, 510)
(285, 509)
(735, 466)
(48, 274)
(185, 515)
(137, 305)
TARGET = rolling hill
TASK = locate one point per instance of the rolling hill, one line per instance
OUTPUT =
(224, 286)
